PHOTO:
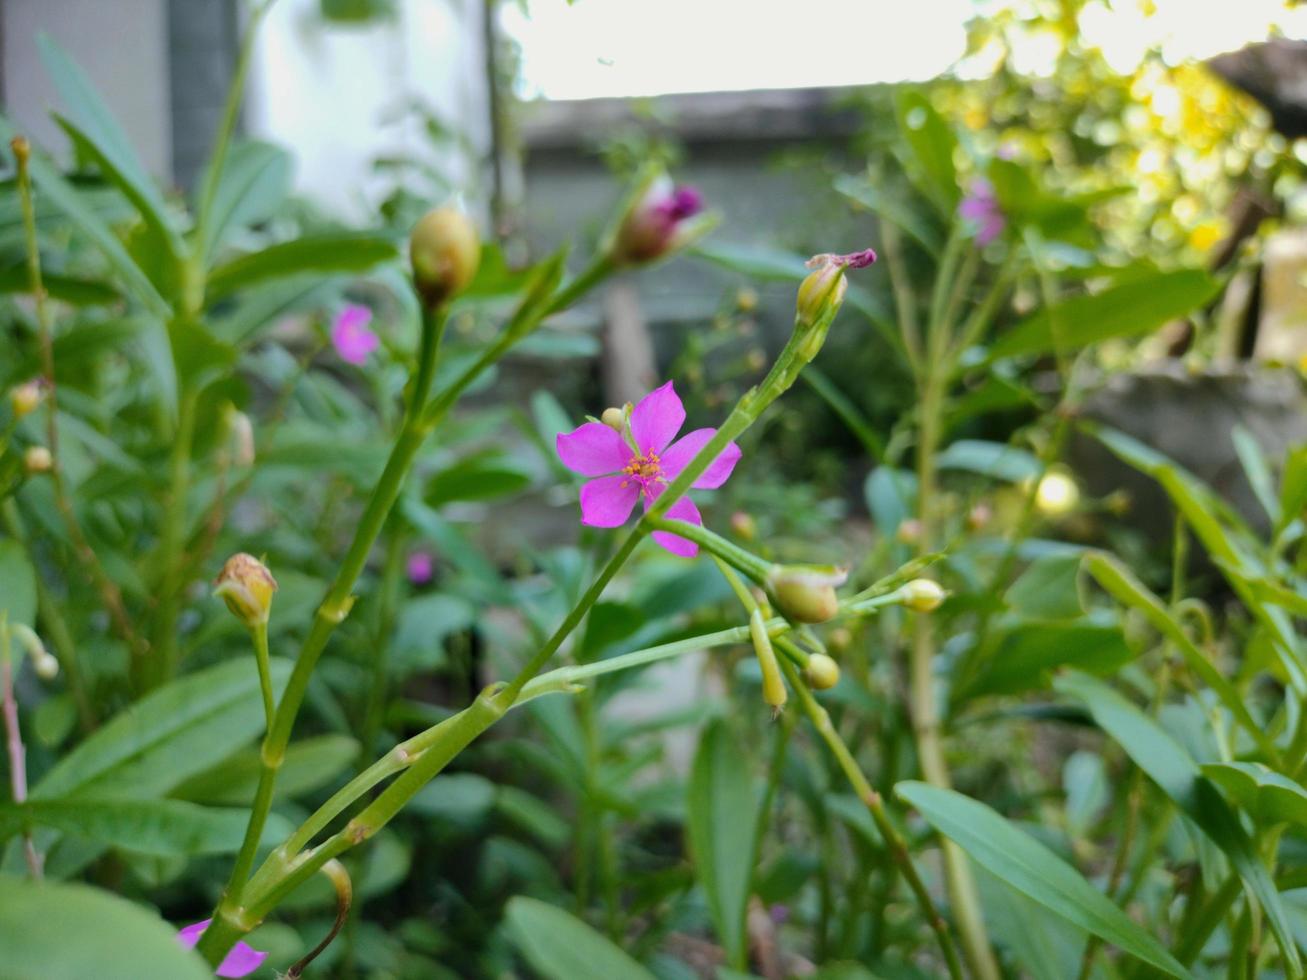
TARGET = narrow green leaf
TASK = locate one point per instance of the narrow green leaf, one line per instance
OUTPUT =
(256, 179)
(169, 735)
(723, 822)
(68, 199)
(1293, 487)
(1048, 589)
(1163, 759)
(56, 931)
(1119, 582)
(96, 132)
(75, 292)
(17, 584)
(1254, 465)
(561, 947)
(1266, 794)
(889, 208)
(1126, 309)
(848, 412)
(756, 261)
(164, 828)
(309, 764)
(932, 143)
(1033, 870)
(993, 459)
(1028, 650)
(343, 252)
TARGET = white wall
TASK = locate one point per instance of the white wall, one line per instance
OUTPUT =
(121, 44)
(323, 89)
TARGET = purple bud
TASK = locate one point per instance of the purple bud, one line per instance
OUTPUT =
(421, 567)
(653, 225)
(981, 210)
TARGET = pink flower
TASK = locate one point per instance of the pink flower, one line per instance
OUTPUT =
(642, 464)
(241, 961)
(655, 223)
(350, 334)
(980, 208)
(421, 567)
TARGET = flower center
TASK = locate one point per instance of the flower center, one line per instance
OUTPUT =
(645, 470)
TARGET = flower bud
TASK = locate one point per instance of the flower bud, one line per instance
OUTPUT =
(45, 665)
(773, 686)
(37, 459)
(922, 595)
(806, 593)
(744, 526)
(246, 585)
(26, 397)
(657, 221)
(1057, 494)
(840, 639)
(909, 531)
(241, 434)
(822, 292)
(746, 300)
(614, 418)
(445, 252)
(822, 672)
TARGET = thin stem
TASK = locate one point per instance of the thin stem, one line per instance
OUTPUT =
(110, 594)
(391, 571)
(259, 634)
(171, 582)
(905, 301)
(14, 743)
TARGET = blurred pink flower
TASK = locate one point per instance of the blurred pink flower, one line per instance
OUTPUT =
(980, 208)
(642, 467)
(350, 334)
(421, 567)
(241, 961)
(651, 227)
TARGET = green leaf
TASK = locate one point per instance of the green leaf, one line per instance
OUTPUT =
(1027, 651)
(723, 824)
(1293, 487)
(756, 261)
(75, 292)
(342, 252)
(891, 497)
(560, 946)
(1126, 309)
(60, 931)
(993, 459)
(163, 828)
(849, 413)
(932, 144)
(1267, 795)
(69, 200)
(96, 133)
(1048, 589)
(309, 764)
(256, 178)
(169, 735)
(1254, 465)
(1033, 870)
(480, 477)
(17, 584)
(888, 207)
(1119, 582)
(1154, 751)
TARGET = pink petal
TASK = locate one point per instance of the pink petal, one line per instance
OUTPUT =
(353, 316)
(607, 501)
(241, 961)
(352, 339)
(687, 447)
(593, 450)
(657, 418)
(682, 510)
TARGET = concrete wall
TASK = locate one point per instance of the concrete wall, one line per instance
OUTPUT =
(121, 44)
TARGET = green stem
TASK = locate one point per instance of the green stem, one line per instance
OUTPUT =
(745, 562)
(259, 634)
(391, 575)
(171, 583)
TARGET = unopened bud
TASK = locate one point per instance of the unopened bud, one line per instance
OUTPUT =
(773, 686)
(922, 595)
(1057, 494)
(822, 292)
(822, 672)
(659, 219)
(614, 418)
(840, 639)
(744, 526)
(241, 433)
(46, 666)
(979, 516)
(806, 593)
(37, 459)
(26, 397)
(445, 252)
(246, 585)
(746, 300)
(909, 531)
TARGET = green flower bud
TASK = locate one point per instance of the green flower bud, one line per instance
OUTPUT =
(37, 459)
(773, 685)
(246, 585)
(822, 672)
(24, 398)
(445, 252)
(922, 595)
(806, 593)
